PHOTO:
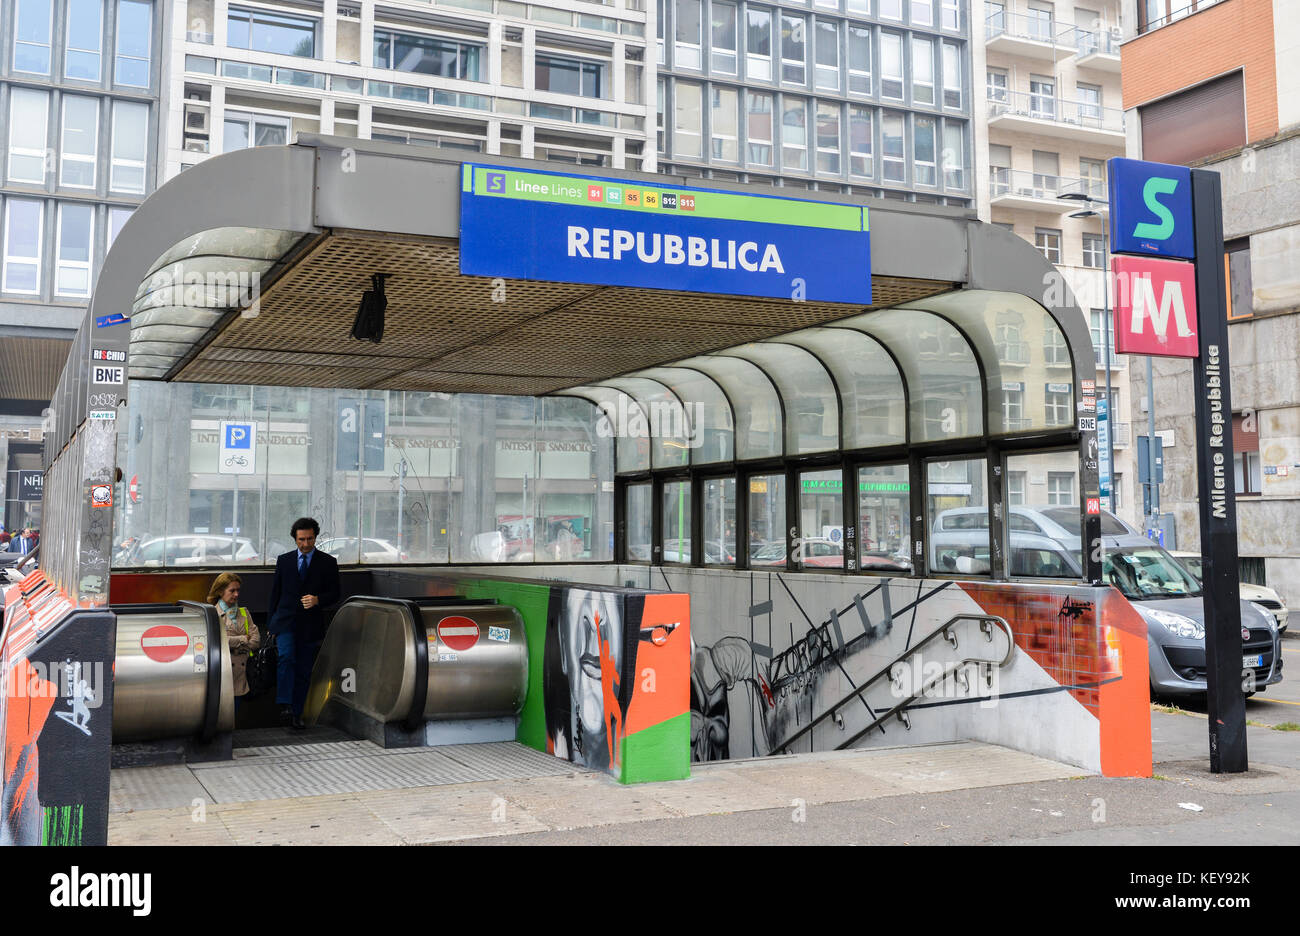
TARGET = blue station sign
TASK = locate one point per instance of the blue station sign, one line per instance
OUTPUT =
(585, 229)
(1150, 209)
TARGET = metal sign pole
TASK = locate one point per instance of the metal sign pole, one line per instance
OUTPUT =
(1218, 509)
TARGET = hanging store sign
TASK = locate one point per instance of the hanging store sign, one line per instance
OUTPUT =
(585, 229)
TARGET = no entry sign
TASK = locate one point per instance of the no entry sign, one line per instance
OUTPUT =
(457, 632)
(164, 643)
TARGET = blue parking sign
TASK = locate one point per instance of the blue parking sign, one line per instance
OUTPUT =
(239, 436)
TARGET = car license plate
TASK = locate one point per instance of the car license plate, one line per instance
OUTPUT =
(1252, 662)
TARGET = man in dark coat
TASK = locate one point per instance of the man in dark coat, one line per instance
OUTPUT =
(306, 583)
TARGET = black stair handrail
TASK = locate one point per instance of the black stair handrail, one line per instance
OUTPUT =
(986, 623)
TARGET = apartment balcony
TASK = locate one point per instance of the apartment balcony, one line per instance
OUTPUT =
(1023, 112)
(1097, 49)
(1035, 37)
(1036, 191)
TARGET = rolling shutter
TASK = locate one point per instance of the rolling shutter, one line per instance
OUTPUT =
(1195, 123)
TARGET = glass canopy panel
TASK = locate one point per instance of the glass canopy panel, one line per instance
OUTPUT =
(939, 368)
(708, 414)
(757, 409)
(236, 277)
(176, 315)
(871, 387)
(812, 413)
(252, 243)
(618, 412)
(1026, 359)
(664, 422)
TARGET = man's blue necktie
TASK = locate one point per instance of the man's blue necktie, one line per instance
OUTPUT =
(302, 565)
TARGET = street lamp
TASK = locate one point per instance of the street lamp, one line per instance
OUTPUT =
(1087, 212)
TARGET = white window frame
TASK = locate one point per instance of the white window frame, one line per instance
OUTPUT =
(718, 54)
(1046, 248)
(1034, 22)
(890, 9)
(1055, 496)
(997, 85)
(16, 125)
(887, 161)
(826, 77)
(1013, 402)
(678, 132)
(73, 265)
(1037, 97)
(925, 6)
(715, 135)
(839, 132)
(1088, 110)
(253, 120)
(118, 55)
(48, 45)
(859, 80)
(793, 147)
(1099, 240)
(800, 26)
(687, 54)
(922, 56)
(952, 75)
(1015, 491)
(16, 259)
(950, 7)
(886, 76)
(869, 153)
(1056, 406)
(757, 65)
(142, 165)
(98, 52)
(954, 170)
(750, 139)
(114, 227)
(921, 169)
(860, 7)
(66, 157)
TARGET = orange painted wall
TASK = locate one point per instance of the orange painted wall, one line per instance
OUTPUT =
(1230, 35)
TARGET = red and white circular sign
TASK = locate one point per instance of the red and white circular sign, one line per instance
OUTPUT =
(458, 632)
(163, 643)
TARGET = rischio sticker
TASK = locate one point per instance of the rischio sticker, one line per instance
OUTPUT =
(499, 633)
(117, 318)
(103, 414)
(101, 495)
(1087, 423)
(105, 374)
(103, 354)
(447, 657)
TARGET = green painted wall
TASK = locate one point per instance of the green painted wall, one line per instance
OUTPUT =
(660, 752)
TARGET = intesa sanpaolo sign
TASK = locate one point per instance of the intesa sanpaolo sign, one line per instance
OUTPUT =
(586, 229)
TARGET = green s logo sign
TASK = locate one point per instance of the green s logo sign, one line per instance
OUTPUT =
(1155, 186)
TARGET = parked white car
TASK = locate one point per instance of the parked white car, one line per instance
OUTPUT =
(1261, 595)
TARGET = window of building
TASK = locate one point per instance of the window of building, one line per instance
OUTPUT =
(686, 48)
(638, 522)
(1013, 405)
(995, 85)
(130, 145)
(1100, 322)
(33, 24)
(79, 143)
(1042, 97)
(758, 128)
(758, 43)
(1055, 351)
(719, 521)
(793, 50)
(85, 30)
(923, 150)
(954, 155)
(569, 76)
(828, 137)
(1089, 102)
(426, 55)
(922, 12)
(890, 9)
(23, 235)
(995, 18)
(260, 31)
(1240, 289)
(828, 55)
(956, 509)
(821, 518)
(117, 218)
(1047, 172)
(891, 144)
(1048, 242)
(659, 114)
(677, 522)
(794, 133)
(1094, 251)
(1015, 488)
(1201, 121)
(861, 7)
(891, 66)
(1039, 22)
(1246, 473)
(1060, 489)
(951, 14)
(922, 71)
(134, 43)
(859, 60)
(767, 520)
(860, 142)
(1092, 175)
(688, 130)
(28, 135)
(724, 124)
(952, 75)
(660, 18)
(245, 130)
(75, 239)
(1056, 398)
(723, 23)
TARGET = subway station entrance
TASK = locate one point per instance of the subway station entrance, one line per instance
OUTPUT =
(808, 506)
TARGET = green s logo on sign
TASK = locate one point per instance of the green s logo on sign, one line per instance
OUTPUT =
(1157, 185)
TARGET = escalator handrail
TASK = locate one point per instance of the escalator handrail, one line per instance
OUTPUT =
(216, 648)
(938, 632)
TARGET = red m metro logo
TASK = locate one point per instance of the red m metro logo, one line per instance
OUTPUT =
(1155, 307)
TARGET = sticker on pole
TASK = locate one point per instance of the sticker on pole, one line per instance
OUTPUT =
(164, 643)
(1087, 423)
(1094, 505)
(457, 632)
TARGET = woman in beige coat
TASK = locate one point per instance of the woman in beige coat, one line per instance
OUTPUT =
(240, 630)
